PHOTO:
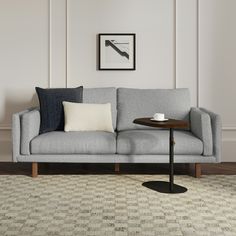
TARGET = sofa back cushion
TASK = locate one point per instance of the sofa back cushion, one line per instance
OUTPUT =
(101, 96)
(136, 103)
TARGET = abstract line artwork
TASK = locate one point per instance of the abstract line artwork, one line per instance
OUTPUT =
(120, 48)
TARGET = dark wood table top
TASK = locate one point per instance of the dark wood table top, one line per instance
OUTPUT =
(171, 123)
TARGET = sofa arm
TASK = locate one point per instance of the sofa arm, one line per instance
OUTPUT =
(30, 125)
(200, 123)
(22, 132)
(16, 134)
(216, 125)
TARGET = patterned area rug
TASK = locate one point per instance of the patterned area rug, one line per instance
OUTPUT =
(116, 205)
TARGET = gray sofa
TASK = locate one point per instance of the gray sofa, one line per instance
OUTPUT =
(130, 143)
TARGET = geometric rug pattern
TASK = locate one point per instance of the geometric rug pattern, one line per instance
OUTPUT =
(107, 205)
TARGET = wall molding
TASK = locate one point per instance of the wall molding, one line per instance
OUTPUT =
(197, 32)
(5, 127)
(229, 128)
(66, 18)
(175, 44)
(49, 43)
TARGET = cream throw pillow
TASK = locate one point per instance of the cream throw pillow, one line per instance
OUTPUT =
(87, 117)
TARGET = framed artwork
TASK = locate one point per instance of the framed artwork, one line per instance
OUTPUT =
(116, 52)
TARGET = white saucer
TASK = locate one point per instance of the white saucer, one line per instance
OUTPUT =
(152, 119)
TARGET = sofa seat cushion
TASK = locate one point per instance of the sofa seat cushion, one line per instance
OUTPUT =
(157, 142)
(78, 142)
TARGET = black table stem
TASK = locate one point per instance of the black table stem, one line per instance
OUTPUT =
(171, 161)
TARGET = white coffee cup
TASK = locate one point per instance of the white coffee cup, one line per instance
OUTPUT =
(159, 116)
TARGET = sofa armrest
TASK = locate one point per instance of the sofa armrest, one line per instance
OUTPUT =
(200, 123)
(216, 125)
(30, 125)
(16, 134)
(19, 131)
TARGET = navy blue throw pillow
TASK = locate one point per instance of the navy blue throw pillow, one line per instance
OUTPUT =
(51, 108)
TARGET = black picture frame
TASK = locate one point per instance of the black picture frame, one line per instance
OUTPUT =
(124, 52)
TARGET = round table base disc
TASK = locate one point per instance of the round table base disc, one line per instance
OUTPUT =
(164, 187)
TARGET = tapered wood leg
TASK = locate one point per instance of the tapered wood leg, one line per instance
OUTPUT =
(197, 170)
(34, 169)
(117, 167)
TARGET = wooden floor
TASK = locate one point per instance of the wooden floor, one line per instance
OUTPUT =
(7, 168)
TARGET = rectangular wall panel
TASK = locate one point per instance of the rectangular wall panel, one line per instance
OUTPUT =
(217, 70)
(58, 43)
(187, 47)
(217, 56)
(24, 54)
(151, 20)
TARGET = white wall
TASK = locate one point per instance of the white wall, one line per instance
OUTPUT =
(52, 43)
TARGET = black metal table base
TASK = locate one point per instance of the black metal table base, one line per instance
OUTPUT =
(164, 187)
(167, 187)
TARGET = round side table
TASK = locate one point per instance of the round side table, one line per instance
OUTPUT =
(171, 124)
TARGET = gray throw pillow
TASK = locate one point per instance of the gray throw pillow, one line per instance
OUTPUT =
(51, 108)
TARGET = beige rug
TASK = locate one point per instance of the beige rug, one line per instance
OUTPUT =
(116, 205)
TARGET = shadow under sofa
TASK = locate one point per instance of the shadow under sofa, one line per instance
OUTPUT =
(130, 143)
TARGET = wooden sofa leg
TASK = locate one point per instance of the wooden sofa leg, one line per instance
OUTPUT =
(34, 169)
(197, 170)
(117, 167)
